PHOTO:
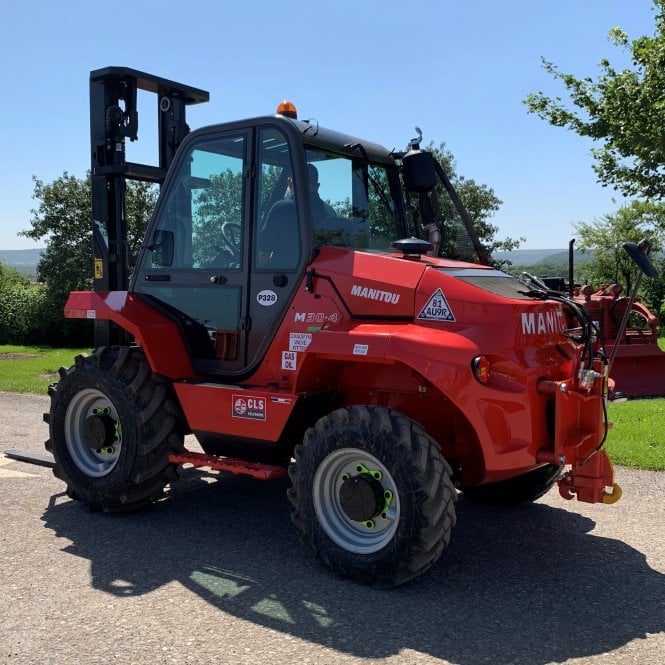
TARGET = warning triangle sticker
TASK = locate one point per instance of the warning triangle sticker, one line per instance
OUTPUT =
(437, 308)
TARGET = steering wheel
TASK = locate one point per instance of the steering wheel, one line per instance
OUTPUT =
(231, 235)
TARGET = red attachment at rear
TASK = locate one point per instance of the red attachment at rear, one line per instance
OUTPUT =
(236, 466)
(639, 365)
(588, 481)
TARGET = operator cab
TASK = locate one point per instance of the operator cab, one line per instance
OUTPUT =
(243, 210)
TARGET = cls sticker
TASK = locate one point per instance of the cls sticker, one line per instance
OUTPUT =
(437, 308)
(252, 408)
(266, 297)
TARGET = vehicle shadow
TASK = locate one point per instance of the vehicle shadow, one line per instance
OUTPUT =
(528, 585)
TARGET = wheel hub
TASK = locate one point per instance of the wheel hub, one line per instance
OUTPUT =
(100, 431)
(361, 497)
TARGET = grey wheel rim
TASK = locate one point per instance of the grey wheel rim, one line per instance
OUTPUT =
(353, 536)
(93, 463)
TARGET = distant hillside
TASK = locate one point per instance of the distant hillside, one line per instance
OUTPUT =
(23, 260)
(529, 257)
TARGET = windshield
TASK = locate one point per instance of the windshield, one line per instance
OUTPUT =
(352, 201)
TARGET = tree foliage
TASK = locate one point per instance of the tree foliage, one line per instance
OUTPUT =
(624, 111)
(605, 236)
(481, 203)
(10, 277)
(63, 219)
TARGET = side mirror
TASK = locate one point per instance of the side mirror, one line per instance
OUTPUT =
(162, 248)
(638, 252)
(419, 171)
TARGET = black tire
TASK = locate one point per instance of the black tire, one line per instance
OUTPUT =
(352, 447)
(113, 399)
(516, 491)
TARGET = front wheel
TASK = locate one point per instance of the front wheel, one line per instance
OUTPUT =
(112, 427)
(372, 495)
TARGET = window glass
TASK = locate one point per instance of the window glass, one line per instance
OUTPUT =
(351, 201)
(203, 214)
(277, 231)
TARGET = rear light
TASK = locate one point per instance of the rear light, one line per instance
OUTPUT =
(480, 366)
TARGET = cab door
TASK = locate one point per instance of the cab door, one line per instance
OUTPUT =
(194, 267)
(209, 263)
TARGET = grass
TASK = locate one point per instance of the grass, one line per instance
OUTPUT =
(31, 369)
(636, 440)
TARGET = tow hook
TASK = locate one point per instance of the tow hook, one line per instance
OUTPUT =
(591, 481)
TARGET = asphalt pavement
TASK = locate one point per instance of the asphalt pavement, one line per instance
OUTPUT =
(216, 574)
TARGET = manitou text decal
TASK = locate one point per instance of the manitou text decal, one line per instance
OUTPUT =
(245, 406)
(537, 323)
(374, 294)
(437, 308)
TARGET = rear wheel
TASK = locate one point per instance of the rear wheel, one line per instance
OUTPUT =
(372, 495)
(112, 427)
(519, 490)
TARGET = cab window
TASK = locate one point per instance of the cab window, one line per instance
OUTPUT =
(351, 201)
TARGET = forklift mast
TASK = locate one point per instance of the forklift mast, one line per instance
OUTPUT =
(113, 119)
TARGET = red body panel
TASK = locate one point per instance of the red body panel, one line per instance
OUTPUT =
(158, 336)
(234, 410)
(362, 330)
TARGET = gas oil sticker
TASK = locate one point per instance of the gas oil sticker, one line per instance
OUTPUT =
(246, 406)
(437, 308)
(290, 360)
(360, 349)
(299, 341)
(266, 297)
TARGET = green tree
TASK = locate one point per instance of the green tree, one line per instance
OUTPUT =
(605, 236)
(62, 218)
(624, 111)
(481, 203)
(9, 277)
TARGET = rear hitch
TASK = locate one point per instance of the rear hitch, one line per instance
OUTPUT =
(591, 481)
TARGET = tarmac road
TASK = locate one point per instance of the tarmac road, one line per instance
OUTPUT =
(216, 574)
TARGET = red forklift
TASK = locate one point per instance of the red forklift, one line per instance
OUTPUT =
(300, 306)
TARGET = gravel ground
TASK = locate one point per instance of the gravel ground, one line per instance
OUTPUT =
(215, 573)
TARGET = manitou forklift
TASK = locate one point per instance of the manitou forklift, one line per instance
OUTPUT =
(301, 305)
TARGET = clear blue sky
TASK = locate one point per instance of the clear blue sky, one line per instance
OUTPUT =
(372, 68)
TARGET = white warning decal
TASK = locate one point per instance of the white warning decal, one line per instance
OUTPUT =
(290, 360)
(437, 308)
(299, 341)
